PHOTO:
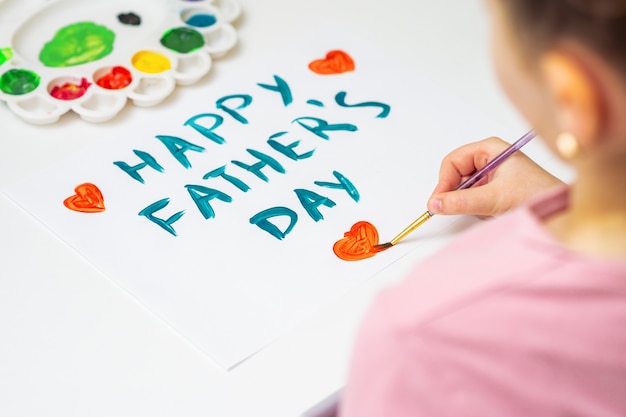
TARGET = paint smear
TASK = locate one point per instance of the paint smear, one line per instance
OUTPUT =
(335, 62)
(182, 40)
(116, 79)
(5, 55)
(77, 44)
(201, 20)
(129, 19)
(315, 102)
(88, 199)
(70, 91)
(19, 81)
(357, 243)
(151, 62)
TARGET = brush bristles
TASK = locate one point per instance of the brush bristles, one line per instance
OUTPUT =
(381, 247)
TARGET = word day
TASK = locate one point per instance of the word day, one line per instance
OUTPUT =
(222, 180)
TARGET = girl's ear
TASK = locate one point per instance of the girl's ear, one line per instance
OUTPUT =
(577, 98)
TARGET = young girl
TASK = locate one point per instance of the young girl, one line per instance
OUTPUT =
(524, 315)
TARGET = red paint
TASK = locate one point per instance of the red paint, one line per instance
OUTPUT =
(357, 243)
(88, 199)
(116, 79)
(335, 62)
(69, 90)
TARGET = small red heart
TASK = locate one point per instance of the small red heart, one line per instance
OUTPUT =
(357, 242)
(335, 62)
(88, 199)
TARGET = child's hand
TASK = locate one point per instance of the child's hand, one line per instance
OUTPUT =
(516, 180)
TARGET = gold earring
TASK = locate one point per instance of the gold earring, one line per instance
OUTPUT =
(567, 145)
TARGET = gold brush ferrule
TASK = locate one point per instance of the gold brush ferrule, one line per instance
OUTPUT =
(417, 223)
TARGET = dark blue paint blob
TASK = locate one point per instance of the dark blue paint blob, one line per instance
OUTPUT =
(201, 20)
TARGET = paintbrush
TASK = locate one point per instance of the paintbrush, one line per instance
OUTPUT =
(477, 176)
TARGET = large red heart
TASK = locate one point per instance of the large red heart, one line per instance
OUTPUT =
(88, 199)
(357, 242)
(335, 62)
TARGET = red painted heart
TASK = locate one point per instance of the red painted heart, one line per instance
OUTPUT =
(88, 199)
(336, 62)
(357, 242)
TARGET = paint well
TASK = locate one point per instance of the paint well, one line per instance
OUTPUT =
(70, 90)
(201, 20)
(151, 62)
(182, 40)
(115, 79)
(19, 81)
(76, 44)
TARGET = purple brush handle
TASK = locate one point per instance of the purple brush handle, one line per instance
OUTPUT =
(484, 171)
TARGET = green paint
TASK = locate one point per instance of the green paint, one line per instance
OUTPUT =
(18, 81)
(182, 40)
(5, 55)
(76, 44)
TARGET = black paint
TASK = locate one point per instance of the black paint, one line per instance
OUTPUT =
(129, 19)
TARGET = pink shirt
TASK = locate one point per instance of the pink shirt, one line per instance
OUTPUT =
(503, 322)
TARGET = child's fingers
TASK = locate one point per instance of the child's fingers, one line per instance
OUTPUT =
(459, 164)
(475, 201)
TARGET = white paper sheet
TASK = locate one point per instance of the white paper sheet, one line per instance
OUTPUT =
(228, 285)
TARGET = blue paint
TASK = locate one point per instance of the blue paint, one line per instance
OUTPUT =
(311, 201)
(278, 134)
(178, 147)
(287, 150)
(340, 99)
(261, 219)
(315, 103)
(201, 20)
(344, 184)
(264, 160)
(207, 132)
(281, 87)
(322, 126)
(203, 195)
(166, 225)
(246, 101)
(147, 159)
(221, 172)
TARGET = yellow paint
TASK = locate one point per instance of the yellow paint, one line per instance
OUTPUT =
(151, 62)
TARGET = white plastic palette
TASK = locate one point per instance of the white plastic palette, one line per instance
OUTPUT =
(91, 57)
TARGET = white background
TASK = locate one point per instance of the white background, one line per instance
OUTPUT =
(73, 344)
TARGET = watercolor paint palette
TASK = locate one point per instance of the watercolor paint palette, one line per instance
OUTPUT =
(91, 57)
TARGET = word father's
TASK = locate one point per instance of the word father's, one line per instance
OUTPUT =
(228, 175)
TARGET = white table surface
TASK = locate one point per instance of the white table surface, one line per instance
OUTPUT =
(73, 344)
